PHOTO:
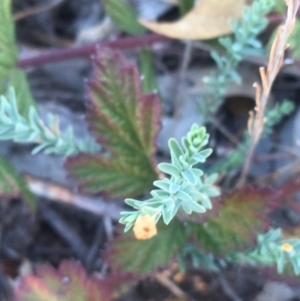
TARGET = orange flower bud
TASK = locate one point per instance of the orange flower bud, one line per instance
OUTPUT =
(287, 247)
(144, 227)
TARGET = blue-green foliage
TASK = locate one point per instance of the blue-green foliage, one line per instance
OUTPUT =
(273, 117)
(243, 42)
(14, 126)
(187, 188)
(273, 248)
(276, 114)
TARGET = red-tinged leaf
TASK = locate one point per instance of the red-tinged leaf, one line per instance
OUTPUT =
(242, 214)
(286, 198)
(125, 122)
(12, 185)
(69, 283)
(142, 257)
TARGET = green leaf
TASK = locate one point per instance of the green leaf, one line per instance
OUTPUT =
(142, 257)
(168, 169)
(8, 49)
(190, 176)
(241, 215)
(124, 16)
(147, 71)
(125, 122)
(185, 6)
(111, 175)
(69, 283)
(12, 185)
(9, 75)
(17, 78)
(280, 6)
(294, 40)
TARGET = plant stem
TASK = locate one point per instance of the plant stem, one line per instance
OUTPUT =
(227, 289)
(257, 119)
(186, 58)
(87, 50)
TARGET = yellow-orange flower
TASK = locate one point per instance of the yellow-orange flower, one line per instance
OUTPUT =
(287, 247)
(144, 227)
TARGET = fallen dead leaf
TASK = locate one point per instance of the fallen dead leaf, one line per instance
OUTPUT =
(207, 20)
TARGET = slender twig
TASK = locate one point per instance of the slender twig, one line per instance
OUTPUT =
(290, 169)
(170, 285)
(227, 289)
(257, 118)
(186, 58)
(35, 10)
(88, 50)
(66, 232)
(94, 249)
(107, 223)
(62, 194)
(222, 128)
(5, 289)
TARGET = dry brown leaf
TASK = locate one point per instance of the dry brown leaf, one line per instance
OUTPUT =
(208, 19)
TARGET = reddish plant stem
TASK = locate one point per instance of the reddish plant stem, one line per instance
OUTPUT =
(87, 50)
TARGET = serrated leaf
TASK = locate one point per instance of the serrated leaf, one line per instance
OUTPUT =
(125, 122)
(110, 175)
(128, 254)
(124, 16)
(69, 283)
(12, 185)
(242, 214)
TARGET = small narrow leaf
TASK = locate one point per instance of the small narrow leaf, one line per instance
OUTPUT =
(147, 71)
(128, 254)
(12, 185)
(190, 176)
(294, 40)
(9, 75)
(124, 16)
(69, 283)
(125, 122)
(168, 169)
(8, 49)
(18, 80)
(162, 184)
